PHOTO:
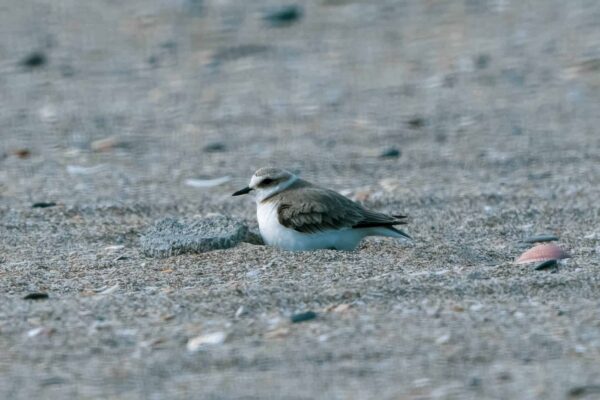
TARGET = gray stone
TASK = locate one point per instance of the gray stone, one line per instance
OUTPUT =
(540, 238)
(169, 236)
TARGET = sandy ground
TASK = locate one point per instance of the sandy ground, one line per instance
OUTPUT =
(492, 104)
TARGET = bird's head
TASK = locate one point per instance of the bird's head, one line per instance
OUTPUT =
(268, 181)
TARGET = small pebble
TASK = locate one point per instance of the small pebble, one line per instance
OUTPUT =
(55, 380)
(416, 122)
(482, 61)
(283, 16)
(392, 152)
(540, 238)
(550, 264)
(305, 316)
(475, 381)
(194, 8)
(584, 390)
(43, 204)
(34, 60)
(36, 296)
(215, 147)
(67, 71)
(227, 54)
(22, 153)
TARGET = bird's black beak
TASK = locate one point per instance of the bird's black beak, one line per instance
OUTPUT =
(245, 190)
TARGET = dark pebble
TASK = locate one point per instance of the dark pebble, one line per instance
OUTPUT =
(450, 81)
(52, 381)
(34, 60)
(67, 71)
(475, 381)
(416, 122)
(441, 138)
(540, 239)
(477, 275)
(43, 204)
(583, 390)
(305, 316)
(22, 153)
(550, 264)
(237, 52)
(482, 61)
(153, 60)
(392, 152)
(283, 16)
(504, 376)
(195, 8)
(215, 147)
(36, 296)
(513, 76)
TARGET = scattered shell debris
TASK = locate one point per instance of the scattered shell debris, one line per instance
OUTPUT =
(542, 252)
(209, 339)
(115, 247)
(40, 331)
(277, 333)
(207, 183)
(80, 170)
(106, 144)
(107, 290)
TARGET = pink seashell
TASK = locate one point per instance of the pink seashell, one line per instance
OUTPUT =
(542, 252)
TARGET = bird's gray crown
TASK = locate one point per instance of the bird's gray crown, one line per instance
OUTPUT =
(272, 172)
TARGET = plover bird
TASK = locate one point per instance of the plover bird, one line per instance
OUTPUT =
(294, 214)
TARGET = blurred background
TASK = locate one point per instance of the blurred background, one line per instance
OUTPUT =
(130, 97)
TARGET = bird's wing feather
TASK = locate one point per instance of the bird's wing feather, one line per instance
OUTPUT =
(317, 209)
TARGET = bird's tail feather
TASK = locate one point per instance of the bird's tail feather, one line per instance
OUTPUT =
(390, 231)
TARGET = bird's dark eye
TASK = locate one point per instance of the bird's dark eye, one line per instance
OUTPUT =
(266, 182)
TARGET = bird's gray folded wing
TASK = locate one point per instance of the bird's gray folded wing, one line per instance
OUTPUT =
(317, 210)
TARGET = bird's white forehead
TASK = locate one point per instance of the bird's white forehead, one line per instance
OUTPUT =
(273, 173)
(254, 180)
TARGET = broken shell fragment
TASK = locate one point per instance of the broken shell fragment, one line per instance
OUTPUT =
(542, 252)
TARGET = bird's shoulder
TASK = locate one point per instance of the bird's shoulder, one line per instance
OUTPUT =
(309, 208)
